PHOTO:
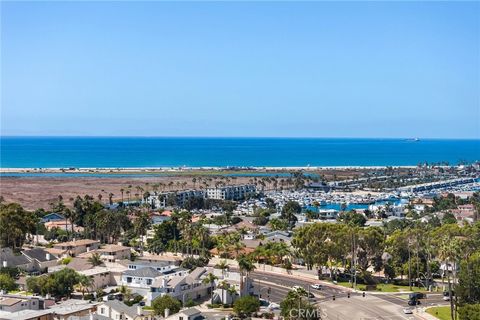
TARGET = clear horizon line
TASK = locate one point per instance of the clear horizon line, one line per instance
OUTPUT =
(237, 137)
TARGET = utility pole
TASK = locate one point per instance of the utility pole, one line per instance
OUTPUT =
(354, 262)
(409, 267)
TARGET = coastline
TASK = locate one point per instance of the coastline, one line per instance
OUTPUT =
(146, 170)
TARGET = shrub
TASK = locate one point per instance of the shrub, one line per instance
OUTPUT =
(166, 302)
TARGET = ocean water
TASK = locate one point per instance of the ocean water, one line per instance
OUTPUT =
(127, 152)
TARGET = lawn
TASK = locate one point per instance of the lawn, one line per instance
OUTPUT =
(442, 313)
(383, 287)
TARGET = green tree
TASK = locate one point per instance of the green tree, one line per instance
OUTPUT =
(162, 303)
(468, 288)
(353, 218)
(245, 306)
(246, 266)
(295, 306)
(60, 283)
(7, 283)
(469, 312)
(449, 218)
(278, 224)
(141, 224)
(84, 285)
(15, 224)
(289, 211)
(95, 259)
(210, 280)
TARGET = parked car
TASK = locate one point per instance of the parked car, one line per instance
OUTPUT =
(316, 286)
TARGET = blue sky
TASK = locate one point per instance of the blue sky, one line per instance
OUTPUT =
(325, 69)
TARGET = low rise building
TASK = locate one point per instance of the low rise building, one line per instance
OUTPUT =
(117, 310)
(113, 252)
(76, 247)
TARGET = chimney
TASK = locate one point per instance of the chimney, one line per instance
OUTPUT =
(139, 310)
(4, 263)
(47, 256)
(88, 249)
(164, 282)
(166, 313)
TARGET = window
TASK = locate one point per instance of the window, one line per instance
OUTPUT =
(129, 279)
(102, 310)
(149, 281)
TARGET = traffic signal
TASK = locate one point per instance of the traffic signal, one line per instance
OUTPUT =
(363, 294)
(348, 294)
(269, 290)
(333, 297)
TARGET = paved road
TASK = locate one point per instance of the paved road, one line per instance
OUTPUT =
(357, 307)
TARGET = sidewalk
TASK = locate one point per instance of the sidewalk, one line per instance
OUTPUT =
(423, 315)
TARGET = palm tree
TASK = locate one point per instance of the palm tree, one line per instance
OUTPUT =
(237, 247)
(232, 291)
(84, 285)
(122, 191)
(210, 279)
(246, 266)
(95, 259)
(224, 285)
(448, 253)
(223, 265)
(127, 292)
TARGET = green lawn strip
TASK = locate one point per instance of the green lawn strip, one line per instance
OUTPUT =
(442, 313)
(382, 287)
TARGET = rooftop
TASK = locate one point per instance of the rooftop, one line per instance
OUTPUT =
(75, 243)
(147, 272)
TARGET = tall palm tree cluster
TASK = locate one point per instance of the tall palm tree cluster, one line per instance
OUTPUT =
(417, 251)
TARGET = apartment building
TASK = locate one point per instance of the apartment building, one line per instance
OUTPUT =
(240, 192)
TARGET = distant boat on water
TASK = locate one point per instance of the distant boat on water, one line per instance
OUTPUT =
(413, 139)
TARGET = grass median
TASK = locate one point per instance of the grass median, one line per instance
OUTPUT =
(442, 313)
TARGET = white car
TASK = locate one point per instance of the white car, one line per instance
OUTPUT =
(407, 311)
(273, 306)
(316, 286)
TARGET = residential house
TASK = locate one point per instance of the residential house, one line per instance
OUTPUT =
(182, 287)
(113, 252)
(40, 259)
(76, 247)
(9, 259)
(52, 217)
(186, 314)
(117, 310)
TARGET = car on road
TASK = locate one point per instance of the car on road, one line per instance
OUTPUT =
(446, 295)
(274, 306)
(417, 295)
(316, 286)
(413, 302)
(408, 311)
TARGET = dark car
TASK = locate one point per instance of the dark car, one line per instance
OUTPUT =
(413, 302)
(417, 295)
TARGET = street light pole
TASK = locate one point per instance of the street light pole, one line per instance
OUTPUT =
(409, 268)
